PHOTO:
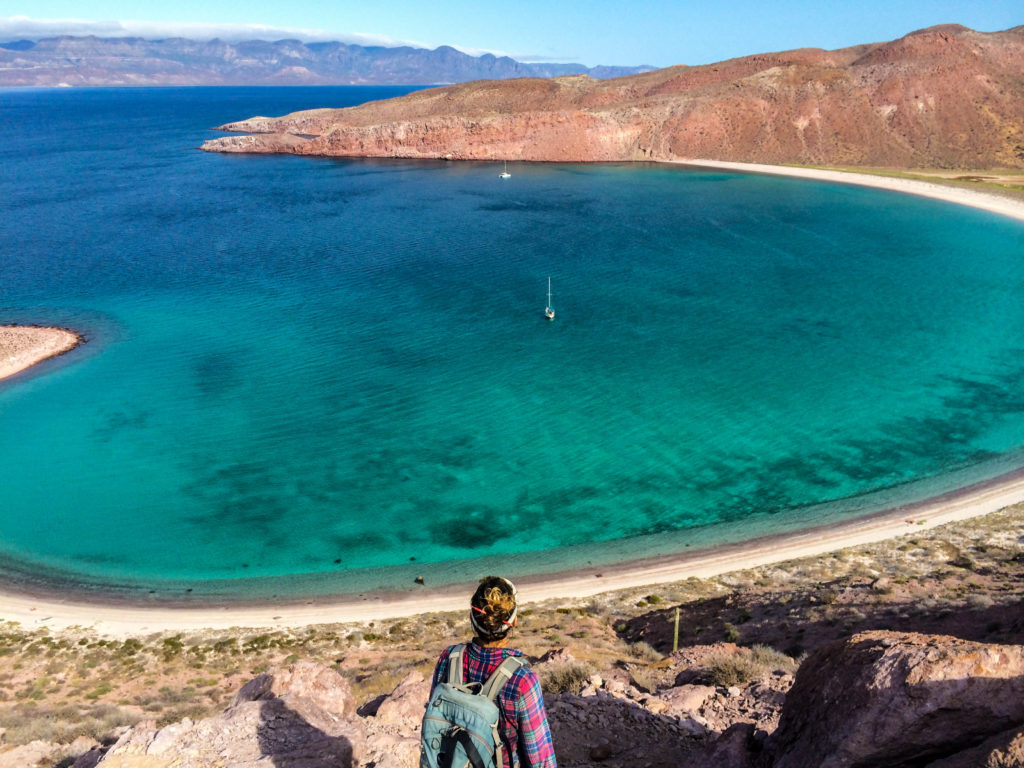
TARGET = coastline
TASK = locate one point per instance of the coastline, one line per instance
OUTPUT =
(123, 620)
(972, 198)
(56, 611)
(23, 346)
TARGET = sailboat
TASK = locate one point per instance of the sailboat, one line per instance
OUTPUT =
(505, 174)
(549, 313)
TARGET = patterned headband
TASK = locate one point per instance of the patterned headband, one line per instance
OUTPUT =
(509, 623)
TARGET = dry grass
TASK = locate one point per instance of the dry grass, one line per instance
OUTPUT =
(745, 666)
(567, 677)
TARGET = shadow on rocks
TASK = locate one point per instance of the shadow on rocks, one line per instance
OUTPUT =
(291, 741)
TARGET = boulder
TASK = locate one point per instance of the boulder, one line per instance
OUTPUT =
(32, 753)
(895, 698)
(1006, 750)
(301, 717)
(404, 707)
(735, 748)
(556, 656)
(316, 683)
(687, 699)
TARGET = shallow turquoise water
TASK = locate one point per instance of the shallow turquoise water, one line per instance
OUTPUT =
(302, 373)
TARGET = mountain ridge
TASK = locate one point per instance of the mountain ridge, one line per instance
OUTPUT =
(134, 61)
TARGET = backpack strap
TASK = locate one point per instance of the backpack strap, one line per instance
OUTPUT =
(501, 675)
(455, 664)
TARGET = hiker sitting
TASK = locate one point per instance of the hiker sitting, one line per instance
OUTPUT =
(486, 707)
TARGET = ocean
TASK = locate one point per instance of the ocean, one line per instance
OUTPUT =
(310, 376)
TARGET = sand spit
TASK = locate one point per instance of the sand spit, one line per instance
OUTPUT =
(121, 621)
(21, 347)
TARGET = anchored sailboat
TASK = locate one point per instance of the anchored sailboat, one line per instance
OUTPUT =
(549, 313)
(505, 174)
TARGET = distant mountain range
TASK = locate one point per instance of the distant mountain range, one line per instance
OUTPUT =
(945, 97)
(95, 61)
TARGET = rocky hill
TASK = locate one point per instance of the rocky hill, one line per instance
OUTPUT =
(180, 61)
(881, 699)
(900, 654)
(944, 97)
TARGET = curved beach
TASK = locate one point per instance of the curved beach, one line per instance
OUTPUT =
(51, 610)
(21, 347)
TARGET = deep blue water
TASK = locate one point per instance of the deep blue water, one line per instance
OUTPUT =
(302, 373)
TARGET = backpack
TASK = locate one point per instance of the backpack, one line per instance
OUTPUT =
(460, 726)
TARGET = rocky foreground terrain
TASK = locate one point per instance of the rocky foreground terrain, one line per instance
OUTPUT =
(943, 97)
(899, 654)
(878, 699)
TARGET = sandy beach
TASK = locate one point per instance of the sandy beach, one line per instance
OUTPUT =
(1004, 206)
(120, 620)
(21, 347)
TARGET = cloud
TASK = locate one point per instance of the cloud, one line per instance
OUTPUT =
(25, 28)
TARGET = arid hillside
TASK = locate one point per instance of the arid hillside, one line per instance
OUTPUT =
(946, 97)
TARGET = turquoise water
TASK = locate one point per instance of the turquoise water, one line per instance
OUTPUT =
(307, 376)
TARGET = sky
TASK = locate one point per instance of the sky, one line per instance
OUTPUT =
(591, 32)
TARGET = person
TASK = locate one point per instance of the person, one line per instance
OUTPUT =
(523, 722)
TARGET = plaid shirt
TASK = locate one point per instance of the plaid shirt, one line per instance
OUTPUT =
(524, 723)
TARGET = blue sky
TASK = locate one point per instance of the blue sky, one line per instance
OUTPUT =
(591, 32)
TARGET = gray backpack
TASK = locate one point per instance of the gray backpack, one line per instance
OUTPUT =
(460, 726)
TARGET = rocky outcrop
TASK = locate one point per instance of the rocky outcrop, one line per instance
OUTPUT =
(899, 699)
(945, 96)
(1005, 750)
(303, 716)
(878, 699)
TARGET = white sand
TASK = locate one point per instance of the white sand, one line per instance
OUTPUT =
(1004, 206)
(123, 621)
(21, 347)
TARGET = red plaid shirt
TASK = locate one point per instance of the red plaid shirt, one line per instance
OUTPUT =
(524, 723)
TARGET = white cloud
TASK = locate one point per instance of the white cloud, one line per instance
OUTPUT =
(25, 28)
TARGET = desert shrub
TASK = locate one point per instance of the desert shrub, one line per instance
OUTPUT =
(226, 645)
(100, 690)
(979, 602)
(771, 659)
(64, 724)
(745, 666)
(731, 633)
(171, 647)
(567, 677)
(644, 652)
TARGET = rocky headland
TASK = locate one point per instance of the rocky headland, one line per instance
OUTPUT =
(945, 97)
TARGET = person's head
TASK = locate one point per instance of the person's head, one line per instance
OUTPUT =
(492, 610)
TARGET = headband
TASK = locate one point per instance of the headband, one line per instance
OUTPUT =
(508, 622)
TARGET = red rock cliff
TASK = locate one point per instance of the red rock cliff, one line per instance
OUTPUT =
(945, 96)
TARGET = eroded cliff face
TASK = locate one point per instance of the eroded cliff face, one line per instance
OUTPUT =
(942, 97)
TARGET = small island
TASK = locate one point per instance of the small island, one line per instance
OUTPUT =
(21, 347)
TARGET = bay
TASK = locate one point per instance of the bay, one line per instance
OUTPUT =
(310, 376)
